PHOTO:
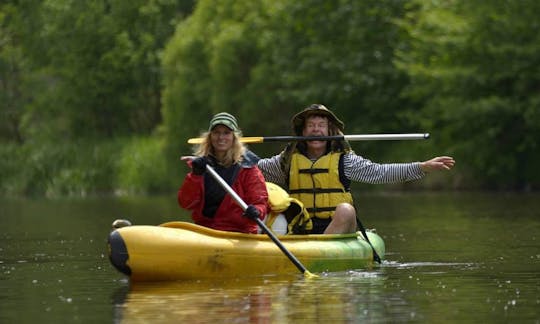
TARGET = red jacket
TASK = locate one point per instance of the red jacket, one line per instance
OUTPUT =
(249, 185)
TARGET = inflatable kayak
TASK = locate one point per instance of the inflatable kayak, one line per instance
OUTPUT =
(186, 251)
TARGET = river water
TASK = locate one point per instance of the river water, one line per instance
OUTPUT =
(451, 258)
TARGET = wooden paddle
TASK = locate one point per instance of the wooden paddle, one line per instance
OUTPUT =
(364, 137)
(268, 232)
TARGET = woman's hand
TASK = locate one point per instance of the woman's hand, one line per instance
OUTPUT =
(252, 212)
(198, 163)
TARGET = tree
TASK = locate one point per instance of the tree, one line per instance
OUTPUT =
(474, 65)
(273, 58)
(12, 76)
(99, 64)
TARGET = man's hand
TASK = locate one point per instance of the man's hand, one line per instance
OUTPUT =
(438, 163)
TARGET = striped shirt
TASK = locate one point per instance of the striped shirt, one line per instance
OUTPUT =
(355, 168)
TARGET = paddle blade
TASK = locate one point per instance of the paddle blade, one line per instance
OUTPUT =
(309, 275)
(251, 140)
(245, 140)
(196, 140)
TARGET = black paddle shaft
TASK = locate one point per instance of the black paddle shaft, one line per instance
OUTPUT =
(265, 228)
(291, 257)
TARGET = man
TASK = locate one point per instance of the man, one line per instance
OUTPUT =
(318, 173)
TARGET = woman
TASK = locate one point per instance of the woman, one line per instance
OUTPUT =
(211, 206)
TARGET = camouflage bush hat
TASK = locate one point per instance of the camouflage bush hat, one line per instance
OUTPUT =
(299, 119)
(224, 119)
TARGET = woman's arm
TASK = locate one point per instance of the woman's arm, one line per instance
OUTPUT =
(255, 192)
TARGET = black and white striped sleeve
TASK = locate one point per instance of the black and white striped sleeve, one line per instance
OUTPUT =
(356, 168)
(271, 170)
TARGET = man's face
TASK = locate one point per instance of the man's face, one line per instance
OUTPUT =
(316, 126)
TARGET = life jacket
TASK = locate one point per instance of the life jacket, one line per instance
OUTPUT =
(280, 202)
(318, 184)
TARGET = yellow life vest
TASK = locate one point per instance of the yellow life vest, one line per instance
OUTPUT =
(317, 184)
(298, 219)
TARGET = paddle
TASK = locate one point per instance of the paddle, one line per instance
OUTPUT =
(243, 205)
(362, 229)
(364, 137)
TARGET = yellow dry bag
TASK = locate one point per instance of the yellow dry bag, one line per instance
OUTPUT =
(298, 219)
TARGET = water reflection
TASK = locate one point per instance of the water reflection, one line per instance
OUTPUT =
(451, 258)
(337, 297)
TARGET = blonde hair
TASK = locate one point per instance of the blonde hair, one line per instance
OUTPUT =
(233, 155)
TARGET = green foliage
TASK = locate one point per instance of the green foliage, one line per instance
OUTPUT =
(12, 76)
(206, 65)
(142, 167)
(474, 66)
(85, 167)
(69, 168)
(259, 60)
(74, 74)
(99, 65)
(339, 53)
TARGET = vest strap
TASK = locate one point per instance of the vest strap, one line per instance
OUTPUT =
(320, 209)
(313, 171)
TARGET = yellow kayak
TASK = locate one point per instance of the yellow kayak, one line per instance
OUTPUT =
(186, 251)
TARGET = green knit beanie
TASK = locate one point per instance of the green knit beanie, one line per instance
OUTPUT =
(225, 119)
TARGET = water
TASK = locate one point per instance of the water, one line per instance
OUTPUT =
(451, 257)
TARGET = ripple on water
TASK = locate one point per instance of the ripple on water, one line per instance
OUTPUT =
(408, 265)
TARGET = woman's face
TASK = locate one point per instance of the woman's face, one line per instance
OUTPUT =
(222, 139)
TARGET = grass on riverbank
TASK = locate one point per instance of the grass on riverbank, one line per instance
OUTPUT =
(85, 167)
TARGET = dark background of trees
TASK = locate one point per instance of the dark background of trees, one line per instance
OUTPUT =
(100, 96)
